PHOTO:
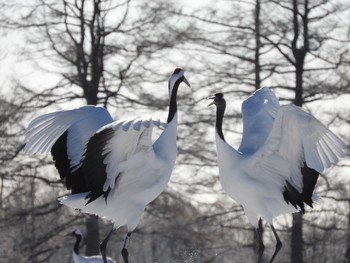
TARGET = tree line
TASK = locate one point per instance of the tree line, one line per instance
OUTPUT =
(119, 54)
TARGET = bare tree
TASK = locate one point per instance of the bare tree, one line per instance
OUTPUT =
(300, 42)
(100, 49)
(116, 54)
(299, 47)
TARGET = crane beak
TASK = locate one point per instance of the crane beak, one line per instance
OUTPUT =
(211, 103)
(186, 81)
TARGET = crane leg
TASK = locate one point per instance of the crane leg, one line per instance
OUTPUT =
(278, 244)
(103, 246)
(261, 243)
(125, 253)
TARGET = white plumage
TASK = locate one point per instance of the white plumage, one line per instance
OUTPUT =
(77, 258)
(134, 173)
(65, 134)
(82, 123)
(276, 167)
(113, 168)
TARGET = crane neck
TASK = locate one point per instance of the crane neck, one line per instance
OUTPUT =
(220, 110)
(76, 245)
(173, 102)
(167, 140)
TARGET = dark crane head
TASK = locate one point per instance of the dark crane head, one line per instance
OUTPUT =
(218, 100)
(76, 233)
(177, 77)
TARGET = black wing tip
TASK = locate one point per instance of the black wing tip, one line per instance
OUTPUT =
(292, 196)
(105, 194)
(92, 196)
(71, 176)
(60, 157)
(93, 167)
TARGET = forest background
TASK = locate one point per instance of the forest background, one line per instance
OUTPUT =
(57, 55)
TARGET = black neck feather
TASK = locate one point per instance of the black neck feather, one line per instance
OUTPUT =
(77, 243)
(219, 118)
(173, 103)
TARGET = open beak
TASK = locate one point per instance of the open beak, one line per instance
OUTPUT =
(211, 103)
(186, 81)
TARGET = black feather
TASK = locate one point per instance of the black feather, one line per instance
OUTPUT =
(60, 157)
(291, 194)
(74, 180)
(93, 168)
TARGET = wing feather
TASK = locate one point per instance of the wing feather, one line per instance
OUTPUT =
(72, 128)
(116, 148)
(258, 111)
(297, 137)
(44, 131)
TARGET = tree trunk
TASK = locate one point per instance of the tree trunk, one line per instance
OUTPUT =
(297, 238)
(297, 228)
(257, 67)
(92, 236)
(347, 252)
(33, 238)
(92, 227)
(257, 70)
(299, 54)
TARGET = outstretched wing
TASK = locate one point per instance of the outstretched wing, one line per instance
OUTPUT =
(115, 149)
(258, 111)
(65, 134)
(297, 141)
(45, 130)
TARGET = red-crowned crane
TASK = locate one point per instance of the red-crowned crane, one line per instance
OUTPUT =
(282, 153)
(77, 258)
(115, 171)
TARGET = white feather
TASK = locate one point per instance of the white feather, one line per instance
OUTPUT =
(142, 174)
(81, 124)
(122, 170)
(276, 141)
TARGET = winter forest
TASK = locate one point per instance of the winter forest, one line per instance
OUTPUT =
(58, 55)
